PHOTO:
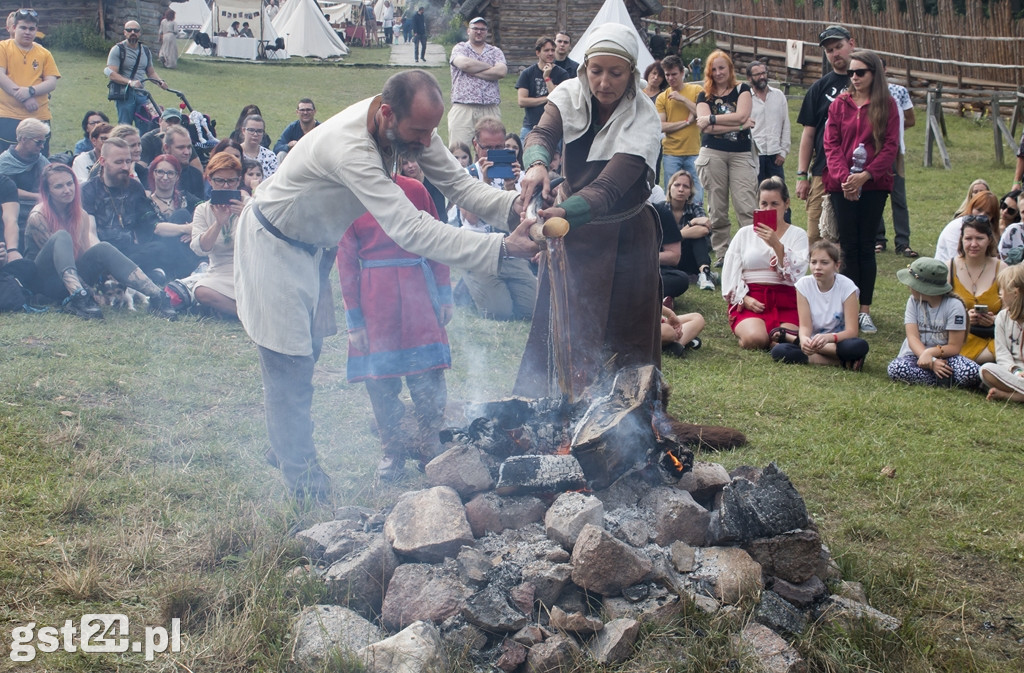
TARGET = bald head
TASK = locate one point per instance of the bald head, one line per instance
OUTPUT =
(402, 90)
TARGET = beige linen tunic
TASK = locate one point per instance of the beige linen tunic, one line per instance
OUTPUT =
(335, 174)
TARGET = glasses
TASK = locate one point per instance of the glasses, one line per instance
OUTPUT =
(255, 132)
(480, 30)
(165, 174)
(492, 147)
(307, 109)
(1008, 207)
(133, 30)
(38, 142)
(860, 72)
(224, 182)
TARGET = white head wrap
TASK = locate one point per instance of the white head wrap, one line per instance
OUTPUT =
(634, 127)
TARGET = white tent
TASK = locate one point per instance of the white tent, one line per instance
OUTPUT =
(191, 14)
(612, 11)
(225, 12)
(306, 31)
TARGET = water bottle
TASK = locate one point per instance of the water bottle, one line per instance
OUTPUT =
(860, 159)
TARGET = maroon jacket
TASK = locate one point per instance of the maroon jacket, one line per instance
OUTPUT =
(847, 127)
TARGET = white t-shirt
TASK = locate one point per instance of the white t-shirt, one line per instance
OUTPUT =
(949, 240)
(934, 324)
(827, 307)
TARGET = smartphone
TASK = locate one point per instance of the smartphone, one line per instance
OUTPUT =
(981, 308)
(502, 160)
(223, 197)
(768, 218)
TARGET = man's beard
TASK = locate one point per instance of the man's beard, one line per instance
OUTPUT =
(120, 179)
(402, 148)
(760, 84)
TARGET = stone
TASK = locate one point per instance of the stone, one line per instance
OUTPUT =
(548, 579)
(633, 530)
(779, 615)
(554, 655)
(321, 631)
(575, 622)
(512, 655)
(704, 480)
(520, 475)
(357, 516)
(727, 573)
(344, 545)
(359, 579)
(773, 653)
(748, 472)
(705, 604)
(658, 608)
(415, 649)
(625, 492)
(428, 525)
(461, 468)
(522, 596)
(852, 590)
(793, 556)
(614, 643)
(421, 592)
(683, 557)
(493, 513)
(473, 566)
(828, 570)
(568, 514)
(677, 516)
(458, 636)
(846, 613)
(801, 595)
(604, 565)
(530, 635)
(490, 610)
(316, 539)
(749, 511)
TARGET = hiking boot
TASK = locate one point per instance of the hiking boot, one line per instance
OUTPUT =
(83, 305)
(160, 306)
(867, 325)
(390, 469)
(704, 280)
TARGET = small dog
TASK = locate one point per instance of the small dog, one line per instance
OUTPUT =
(119, 297)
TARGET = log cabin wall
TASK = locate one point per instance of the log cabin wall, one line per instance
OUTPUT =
(114, 13)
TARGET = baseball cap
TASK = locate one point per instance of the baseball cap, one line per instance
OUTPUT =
(833, 33)
(478, 19)
(171, 113)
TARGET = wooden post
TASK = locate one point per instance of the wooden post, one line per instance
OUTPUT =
(994, 111)
(103, 22)
(941, 114)
(933, 134)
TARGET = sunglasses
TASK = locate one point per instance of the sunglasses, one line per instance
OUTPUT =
(39, 142)
(860, 72)
(133, 30)
(26, 14)
(976, 218)
(1007, 207)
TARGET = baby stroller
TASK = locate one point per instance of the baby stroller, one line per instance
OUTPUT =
(200, 126)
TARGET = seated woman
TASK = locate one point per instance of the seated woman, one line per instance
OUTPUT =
(1004, 378)
(975, 188)
(983, 203)
(688, 217)
(1012, 237)
(679, 333)
(61, 238)
(935, 322)
(213, 228)
(828, 303)
(761, 269)
(172, 204)
(973, 273)
(84, 162)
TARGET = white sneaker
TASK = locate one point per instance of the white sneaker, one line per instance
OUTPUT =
(704, 280)
(866, 324)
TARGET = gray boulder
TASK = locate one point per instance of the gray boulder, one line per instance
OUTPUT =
(773, 653)
(779, 615)
(462, 468)
(614, 643)
(727, 573)
(792, 556)
(569, 514)
(493, 513)
(359, 579)
(421, 592)
(416, 649)
(323, 631)
(677, 516)
(556, 654)
(750, 511)
(428, 525)
(604, 565)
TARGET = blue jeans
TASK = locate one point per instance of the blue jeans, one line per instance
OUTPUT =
(671, 164)
(126, 108)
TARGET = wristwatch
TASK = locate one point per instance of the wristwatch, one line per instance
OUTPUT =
(31, 91)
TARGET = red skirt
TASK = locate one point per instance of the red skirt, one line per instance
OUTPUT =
(779, 306)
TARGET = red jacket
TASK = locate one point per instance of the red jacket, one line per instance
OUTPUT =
(847, 127)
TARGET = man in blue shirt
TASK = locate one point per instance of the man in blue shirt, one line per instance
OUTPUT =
(298, 128)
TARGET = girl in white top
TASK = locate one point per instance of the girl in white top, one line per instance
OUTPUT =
(1005, 377)
(828, 303)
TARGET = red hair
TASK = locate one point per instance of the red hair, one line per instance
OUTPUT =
(709, 84)
(74, 220)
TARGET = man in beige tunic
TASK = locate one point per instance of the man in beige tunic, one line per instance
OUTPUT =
(288, 231)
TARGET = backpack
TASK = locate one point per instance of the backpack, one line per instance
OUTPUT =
(12, 295)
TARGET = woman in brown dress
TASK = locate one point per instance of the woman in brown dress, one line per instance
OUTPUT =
(611, 133)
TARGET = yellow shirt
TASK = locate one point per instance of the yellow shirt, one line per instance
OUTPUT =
(684, 142)
(25, 69)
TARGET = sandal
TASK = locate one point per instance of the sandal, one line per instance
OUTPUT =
(779, 334)
(879, 247)
(907, 252)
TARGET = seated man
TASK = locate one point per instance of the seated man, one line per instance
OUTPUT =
(23, 163)
(304, 124)
(125, 217)
(509, 295)
(84, 162)
(178, 143)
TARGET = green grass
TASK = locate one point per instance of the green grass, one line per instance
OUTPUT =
(132, 479)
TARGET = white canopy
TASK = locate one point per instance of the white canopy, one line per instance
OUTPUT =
(225, 12)
(612, 11)
(191, 14)
(306, 31)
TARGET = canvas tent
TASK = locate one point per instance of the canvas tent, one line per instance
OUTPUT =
(225, 12)
(613, 11)
(191, 14)
(306, 31)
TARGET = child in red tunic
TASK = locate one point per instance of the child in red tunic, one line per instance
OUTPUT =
(396, 307)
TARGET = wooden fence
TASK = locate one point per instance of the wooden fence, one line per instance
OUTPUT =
(979, 48)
